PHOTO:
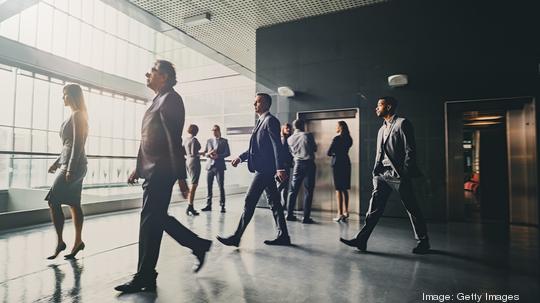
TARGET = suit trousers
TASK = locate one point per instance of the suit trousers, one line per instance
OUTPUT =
(219, 174)
(262, 182)
(303, 172)
(155, 219)
(383, 185)
(283, 189)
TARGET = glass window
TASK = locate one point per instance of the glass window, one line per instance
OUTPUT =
(111, 20)
(39, 141)
(56, 107)
(75, 8)
(41, 104)
(23, 102)
(129, 120)
(98, 38)
(6, 138)
(121, 58)
(140, 109)
(88, 11)
(73, 40)
(39, 173)
(28, 25)
(4, 171)
(134, 31)
(118, 112)
(62, 4)
(54, 143)
(117, 147)
(59, 33)
(22, 140)
(86, 45)
(7, 90)
(99, 14)
(105, 148)
(94, 112)
(106, 116)
(92, 144)
(123, 26)
(10, 28)
(45, 27)
(109, 55)
(21, 173)
(133, 69)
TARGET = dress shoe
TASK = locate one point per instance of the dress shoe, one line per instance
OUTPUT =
(281, 240)
(422, 247)
(223, 210)
(59, 248)
(291, 218)
(139, 283)
(308, 221)
(230, 241)
(207, 208)
(200, 253)
(358, 243)
(75, 251)
(190, 211)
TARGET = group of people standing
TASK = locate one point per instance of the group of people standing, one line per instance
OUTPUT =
(163, 161)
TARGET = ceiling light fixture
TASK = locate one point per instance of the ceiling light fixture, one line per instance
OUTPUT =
(198, 19)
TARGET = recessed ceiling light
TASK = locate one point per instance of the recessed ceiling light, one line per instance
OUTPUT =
(198, 19)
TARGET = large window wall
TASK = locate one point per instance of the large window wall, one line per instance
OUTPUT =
(94, 34)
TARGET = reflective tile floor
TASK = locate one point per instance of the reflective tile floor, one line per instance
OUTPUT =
(466, 258)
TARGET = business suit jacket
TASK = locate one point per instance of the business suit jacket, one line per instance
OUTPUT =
(222, 150)
(73, 133)
(161, 152)
(266, 153)
(400, 148)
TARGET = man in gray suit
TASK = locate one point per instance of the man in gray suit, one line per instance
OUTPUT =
(217, 149)
(395, 165)
(161, 161)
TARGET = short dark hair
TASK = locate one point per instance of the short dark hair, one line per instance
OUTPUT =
(299, 124)
(193, 129)
(266, 97)
(167, 68)
(393, 102)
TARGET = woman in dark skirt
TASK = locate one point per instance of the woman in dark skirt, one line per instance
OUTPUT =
(341, 168)
(71, 166)
(193, 165)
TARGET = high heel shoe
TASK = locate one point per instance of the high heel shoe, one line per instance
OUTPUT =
(338, 219)
(74, 253)
(59, 249)
(190, 211)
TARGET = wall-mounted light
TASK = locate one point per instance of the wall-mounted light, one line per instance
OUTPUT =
(398, 80)
(198, 19)
(285, 91)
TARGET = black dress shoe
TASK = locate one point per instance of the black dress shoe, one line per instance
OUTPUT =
(358, 243)
(422, 248)
(139, 283)
(74, 253)
(308, 221)
(223, 210)
(230, 241)
(207, 208)
(190, 211)
(200, 253)
(59, 248)
(291, 218)
(281, 240)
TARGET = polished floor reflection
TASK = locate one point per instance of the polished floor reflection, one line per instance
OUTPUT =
(468, 258)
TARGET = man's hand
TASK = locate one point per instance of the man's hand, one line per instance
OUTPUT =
(53, 168)
(133, 178)
(235, 162)
(184, 189)
(69, 176)
(281, 175)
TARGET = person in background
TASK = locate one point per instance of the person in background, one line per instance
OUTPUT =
(283, 187)
(217, 149)
(341, 169)
(302, 147)
(193, 165)
(72, 162)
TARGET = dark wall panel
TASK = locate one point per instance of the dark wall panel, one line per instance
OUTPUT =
(451, 50)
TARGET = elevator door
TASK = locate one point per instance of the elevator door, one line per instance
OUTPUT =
(324, 130)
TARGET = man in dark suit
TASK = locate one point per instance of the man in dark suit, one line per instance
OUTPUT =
(395, 165)
(217, 149)
(266, 158)
(161, 161)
